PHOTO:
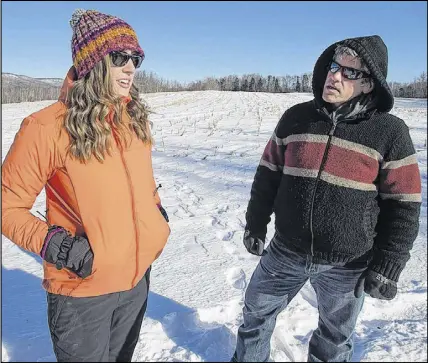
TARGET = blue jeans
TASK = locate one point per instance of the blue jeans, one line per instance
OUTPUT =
(279, 276)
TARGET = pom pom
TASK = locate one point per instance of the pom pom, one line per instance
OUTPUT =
(75, 18)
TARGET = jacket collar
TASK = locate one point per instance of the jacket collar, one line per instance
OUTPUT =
(358, 108)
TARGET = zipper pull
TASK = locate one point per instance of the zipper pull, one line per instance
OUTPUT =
(156, 190)
(331, 132)
(45, 218)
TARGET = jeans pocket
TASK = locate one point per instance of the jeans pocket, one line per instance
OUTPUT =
(265, 267)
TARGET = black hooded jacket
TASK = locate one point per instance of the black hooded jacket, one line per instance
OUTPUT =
(344, 185)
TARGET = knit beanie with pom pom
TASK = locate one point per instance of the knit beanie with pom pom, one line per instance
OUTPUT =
(95, 35)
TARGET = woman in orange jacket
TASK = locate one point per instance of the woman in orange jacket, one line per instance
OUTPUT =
(91, 151)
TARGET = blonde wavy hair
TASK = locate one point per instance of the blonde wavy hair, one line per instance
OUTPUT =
(89, 103)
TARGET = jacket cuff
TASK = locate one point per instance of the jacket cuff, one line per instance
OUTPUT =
(256, 231)
(387, 268)
(52, 231)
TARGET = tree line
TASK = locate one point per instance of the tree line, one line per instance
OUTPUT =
(302, 83)
(28, 93)
(149, 82)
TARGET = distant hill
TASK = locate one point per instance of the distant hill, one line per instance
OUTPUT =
(19, 88)
(53, 81)
(16, 79)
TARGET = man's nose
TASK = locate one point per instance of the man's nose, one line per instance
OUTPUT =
(337, 76)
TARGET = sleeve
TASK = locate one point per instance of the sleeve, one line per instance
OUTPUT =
(400, 203)
(265, 185)
(25, 171)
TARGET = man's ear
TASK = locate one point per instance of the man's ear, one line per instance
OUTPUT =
(368, 85)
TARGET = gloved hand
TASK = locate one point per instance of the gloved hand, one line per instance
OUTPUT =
(253, 243)
(163, 212)
(64, 250)
(376, 285)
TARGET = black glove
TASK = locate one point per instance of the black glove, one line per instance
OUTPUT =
(376, 285)
(253, 243)
(64, 250)
(163, 212)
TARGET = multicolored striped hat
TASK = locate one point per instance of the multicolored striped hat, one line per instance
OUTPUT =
(95, 35)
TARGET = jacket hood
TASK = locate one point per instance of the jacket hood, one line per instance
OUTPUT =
(374, 53)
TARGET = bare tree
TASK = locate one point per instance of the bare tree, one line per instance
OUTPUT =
(252, 85)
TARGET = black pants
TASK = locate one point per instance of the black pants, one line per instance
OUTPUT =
(97, 329)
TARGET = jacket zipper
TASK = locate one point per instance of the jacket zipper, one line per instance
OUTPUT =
(131, 192)
(330, 135)
(137, 232)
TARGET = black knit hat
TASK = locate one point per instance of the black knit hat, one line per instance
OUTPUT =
(373, 51)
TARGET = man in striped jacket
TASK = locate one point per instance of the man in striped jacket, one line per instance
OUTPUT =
(341, 175)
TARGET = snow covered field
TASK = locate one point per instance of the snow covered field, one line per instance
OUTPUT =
(208, 146)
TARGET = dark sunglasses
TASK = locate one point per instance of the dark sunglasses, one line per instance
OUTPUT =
(119, 59)
(347, 72)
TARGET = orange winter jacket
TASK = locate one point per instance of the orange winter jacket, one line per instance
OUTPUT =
(114, 203)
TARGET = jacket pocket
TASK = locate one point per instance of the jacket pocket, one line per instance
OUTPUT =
(159, 227)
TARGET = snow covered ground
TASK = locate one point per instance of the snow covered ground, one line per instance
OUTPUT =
(208, 145)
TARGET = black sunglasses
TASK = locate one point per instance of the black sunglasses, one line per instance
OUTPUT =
(119, 59)
(347, 72)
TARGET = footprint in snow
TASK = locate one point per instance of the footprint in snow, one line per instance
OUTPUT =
(222, 209)
(236, 278)
(225, 235)
(214, 222)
